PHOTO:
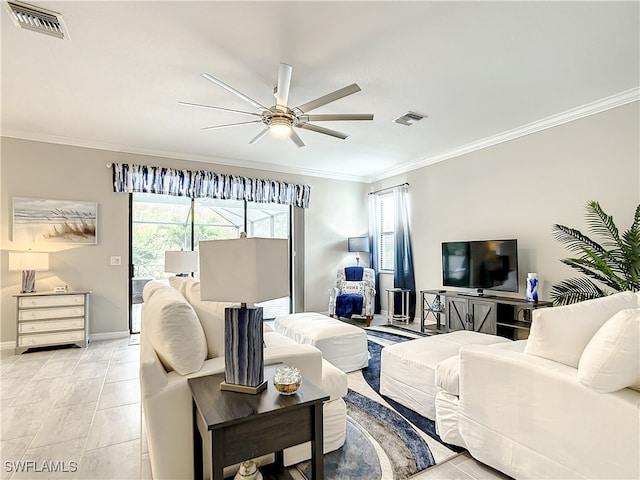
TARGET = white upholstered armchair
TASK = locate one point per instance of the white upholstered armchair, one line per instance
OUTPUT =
(354, 293)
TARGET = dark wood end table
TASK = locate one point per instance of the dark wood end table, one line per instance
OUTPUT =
(231, 427)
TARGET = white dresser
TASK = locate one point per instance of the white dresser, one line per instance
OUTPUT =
(46, 319)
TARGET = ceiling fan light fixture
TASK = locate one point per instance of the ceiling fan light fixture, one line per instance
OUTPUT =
(280, 126)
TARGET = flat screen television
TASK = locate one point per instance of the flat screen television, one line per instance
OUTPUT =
(482, 265)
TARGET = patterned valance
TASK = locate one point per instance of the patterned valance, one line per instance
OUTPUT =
(202, 184)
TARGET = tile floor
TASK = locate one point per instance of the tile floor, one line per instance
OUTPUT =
(73, 410)
(77, 412)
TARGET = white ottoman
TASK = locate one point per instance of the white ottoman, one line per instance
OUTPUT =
(344, 345)
(407, 370)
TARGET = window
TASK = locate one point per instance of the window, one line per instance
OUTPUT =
(385, 211)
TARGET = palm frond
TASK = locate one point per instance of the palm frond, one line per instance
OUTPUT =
(574, 239)
(616, 267)
(605, 276)
(575, 290)
(603, 225)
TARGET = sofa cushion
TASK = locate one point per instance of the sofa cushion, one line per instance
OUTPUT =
(174, 331)
(562, 333)
(150, 288)
(211, 316)
(181, 283)
(611, 360)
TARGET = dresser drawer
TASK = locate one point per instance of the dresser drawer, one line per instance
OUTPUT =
(51, 325)
(50, 338)
(50, 301)
(44, 313)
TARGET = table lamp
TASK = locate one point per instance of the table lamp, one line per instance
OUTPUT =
(181, 262)
(358, 244)
(28, 262)
(245, 270)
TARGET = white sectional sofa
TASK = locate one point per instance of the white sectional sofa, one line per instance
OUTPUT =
(183, 337)
(563, 404)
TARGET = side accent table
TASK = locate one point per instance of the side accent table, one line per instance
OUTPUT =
(231, 427)
(403, 316)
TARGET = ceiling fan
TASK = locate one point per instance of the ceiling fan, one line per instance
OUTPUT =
(281, 120)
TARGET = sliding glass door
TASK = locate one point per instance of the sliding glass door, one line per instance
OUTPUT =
(164, 222)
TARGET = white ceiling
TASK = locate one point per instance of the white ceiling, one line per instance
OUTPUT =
(481, 71)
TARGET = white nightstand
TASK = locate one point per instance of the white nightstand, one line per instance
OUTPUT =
(47, 319)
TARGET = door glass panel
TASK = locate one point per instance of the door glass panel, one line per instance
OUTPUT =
(159, 223)
(164, 222)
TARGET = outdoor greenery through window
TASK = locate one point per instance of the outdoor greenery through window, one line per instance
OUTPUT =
(385, 212)
(164, 222)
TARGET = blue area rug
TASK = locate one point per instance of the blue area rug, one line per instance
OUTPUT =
(406, 452)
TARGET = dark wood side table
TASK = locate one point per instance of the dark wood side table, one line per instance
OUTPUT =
(231, 427)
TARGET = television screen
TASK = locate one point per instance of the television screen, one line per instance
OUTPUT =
(486, 264)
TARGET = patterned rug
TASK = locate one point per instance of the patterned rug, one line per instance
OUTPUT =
(384, 440)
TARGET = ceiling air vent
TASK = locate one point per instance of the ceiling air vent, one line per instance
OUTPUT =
(409, 118)
(37, 19)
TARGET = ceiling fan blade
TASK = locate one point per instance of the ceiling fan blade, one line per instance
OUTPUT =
(231, 125)
(234, 91)
(259, 136)
(296, 139)
(253, 114)
(329, 97)
(338, 117)
(326, 131)
(282, 90)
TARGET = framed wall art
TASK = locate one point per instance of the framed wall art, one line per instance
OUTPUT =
(37, 220)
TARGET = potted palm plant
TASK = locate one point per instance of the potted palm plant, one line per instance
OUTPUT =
(613, 265)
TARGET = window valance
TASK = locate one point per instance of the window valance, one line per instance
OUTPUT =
(203, 184)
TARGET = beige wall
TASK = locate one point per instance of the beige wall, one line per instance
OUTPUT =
(518, 189)
(42, 170)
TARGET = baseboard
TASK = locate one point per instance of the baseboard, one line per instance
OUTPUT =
(109, 335)
(8, 345)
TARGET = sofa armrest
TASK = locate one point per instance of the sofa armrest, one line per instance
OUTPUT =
(307, 358)
(333, 294)
(518, 409)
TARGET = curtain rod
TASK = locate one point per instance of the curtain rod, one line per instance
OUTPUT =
(405, 184)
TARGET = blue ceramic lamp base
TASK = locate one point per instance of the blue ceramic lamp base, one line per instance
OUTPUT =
(243, 352)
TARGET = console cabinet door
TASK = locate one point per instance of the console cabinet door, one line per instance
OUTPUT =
(457, 314)
(484, 316)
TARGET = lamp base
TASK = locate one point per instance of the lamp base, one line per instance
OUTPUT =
(233, 387)
(28, 281)
(243, 350)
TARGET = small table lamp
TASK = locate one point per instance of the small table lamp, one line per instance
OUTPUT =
(246, 270)
(28, 262)
(358, 244)
(182, 262)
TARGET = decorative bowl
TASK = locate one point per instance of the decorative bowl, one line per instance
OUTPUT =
(287, 380)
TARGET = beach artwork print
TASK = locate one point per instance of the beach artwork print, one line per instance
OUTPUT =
(37, 220)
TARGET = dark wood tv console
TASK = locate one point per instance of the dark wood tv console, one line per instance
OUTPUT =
(492, 314)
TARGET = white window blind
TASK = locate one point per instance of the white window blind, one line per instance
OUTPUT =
(386, 222)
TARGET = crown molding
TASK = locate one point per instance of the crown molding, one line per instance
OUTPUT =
(607, 103)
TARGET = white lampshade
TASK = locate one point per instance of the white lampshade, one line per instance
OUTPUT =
(28, 261)
(245, 270)
(181, 261)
